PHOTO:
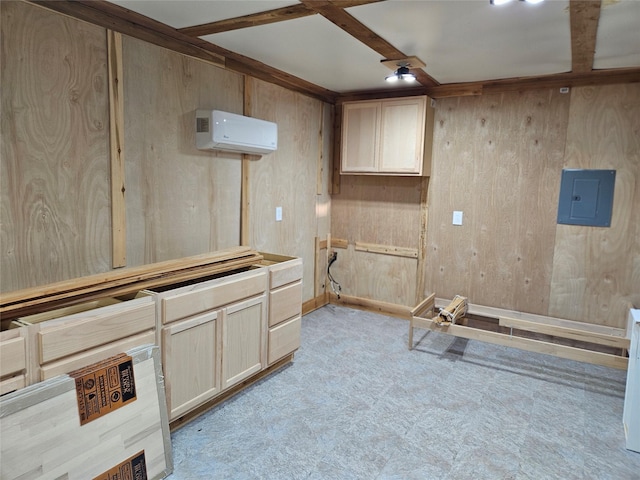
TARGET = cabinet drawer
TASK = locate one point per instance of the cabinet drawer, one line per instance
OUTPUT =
(284, 303)
(284, 339)
(285, 272)
(94, 355)
(13, 353)
(203, 298)
(76, 333)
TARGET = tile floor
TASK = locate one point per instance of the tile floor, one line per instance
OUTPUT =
(356, 404)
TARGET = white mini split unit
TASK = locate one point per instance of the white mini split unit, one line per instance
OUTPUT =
(216, 130)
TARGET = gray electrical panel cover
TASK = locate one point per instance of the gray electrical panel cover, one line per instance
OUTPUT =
(586, 197)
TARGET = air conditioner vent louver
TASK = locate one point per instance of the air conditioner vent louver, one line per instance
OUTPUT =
(202, 125)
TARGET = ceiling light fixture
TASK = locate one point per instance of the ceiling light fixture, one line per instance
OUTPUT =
(402, 73)
(402, 68)
(502, 2)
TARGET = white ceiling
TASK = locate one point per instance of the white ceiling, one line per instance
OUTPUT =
(459, 40)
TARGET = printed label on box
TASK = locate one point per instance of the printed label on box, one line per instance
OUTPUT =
(133, 468)
(104, 387)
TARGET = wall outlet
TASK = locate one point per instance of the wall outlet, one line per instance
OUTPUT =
(278, 214)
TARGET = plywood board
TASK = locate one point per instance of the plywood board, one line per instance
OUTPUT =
(47, 440)
(374, 276)
(287, 178)
(180, 201)
(378, 210)
(596, 271)
(54, 167)
(497, 158)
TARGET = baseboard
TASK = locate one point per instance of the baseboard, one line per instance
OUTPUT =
(391, 309)
(315, 303)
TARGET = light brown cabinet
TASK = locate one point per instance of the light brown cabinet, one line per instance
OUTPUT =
(69, 338)
(387, 137)
(214, 332)
(212, 336)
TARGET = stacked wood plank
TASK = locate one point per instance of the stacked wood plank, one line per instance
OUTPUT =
(125, 281)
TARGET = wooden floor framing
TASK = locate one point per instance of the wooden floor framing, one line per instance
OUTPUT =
(595, 344)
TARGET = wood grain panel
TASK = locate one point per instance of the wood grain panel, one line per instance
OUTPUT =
(54, 170)
(374, 276)
(497, 158)
(287, 178)
(180, 201)
(42, 423)
(596, 271)
(378, 210)
(383, 211)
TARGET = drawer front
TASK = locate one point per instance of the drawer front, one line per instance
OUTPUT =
(13, 354)
(202, 299)
(95, 355)
(12, 384)
(101, 326)
(284, 303)
(285, 272)
(284, 339)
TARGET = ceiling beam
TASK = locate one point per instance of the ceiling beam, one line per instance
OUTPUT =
(584, 17)
(261, 18)
(335, 13)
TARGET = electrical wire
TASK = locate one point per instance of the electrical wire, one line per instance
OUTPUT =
(335, 286)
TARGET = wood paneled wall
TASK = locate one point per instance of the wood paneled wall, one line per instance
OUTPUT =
(55, 197)
(498, 159)
(56, 206)
(383, 211)
(596, 271)
(181, 201)
(289, 177)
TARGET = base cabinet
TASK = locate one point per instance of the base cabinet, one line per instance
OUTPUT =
(214, 332)
(190, 358)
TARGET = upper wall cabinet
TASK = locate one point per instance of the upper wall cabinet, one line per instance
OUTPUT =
(387, 137)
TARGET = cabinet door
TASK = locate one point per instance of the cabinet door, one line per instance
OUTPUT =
(191, 360)
(360, 127)
(402, 136)
(244, 327)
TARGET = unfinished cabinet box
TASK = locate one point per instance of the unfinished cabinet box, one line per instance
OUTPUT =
(70, 338)
(213, 333)
(387, 137)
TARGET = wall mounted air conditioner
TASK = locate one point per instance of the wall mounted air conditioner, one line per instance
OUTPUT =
(216, 130)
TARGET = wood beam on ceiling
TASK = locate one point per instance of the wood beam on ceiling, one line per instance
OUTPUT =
(262, 18)
(584, 18)
(335, 13)
(595, 77)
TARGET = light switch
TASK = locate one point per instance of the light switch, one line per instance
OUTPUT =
(278, 214)
(457, 217)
